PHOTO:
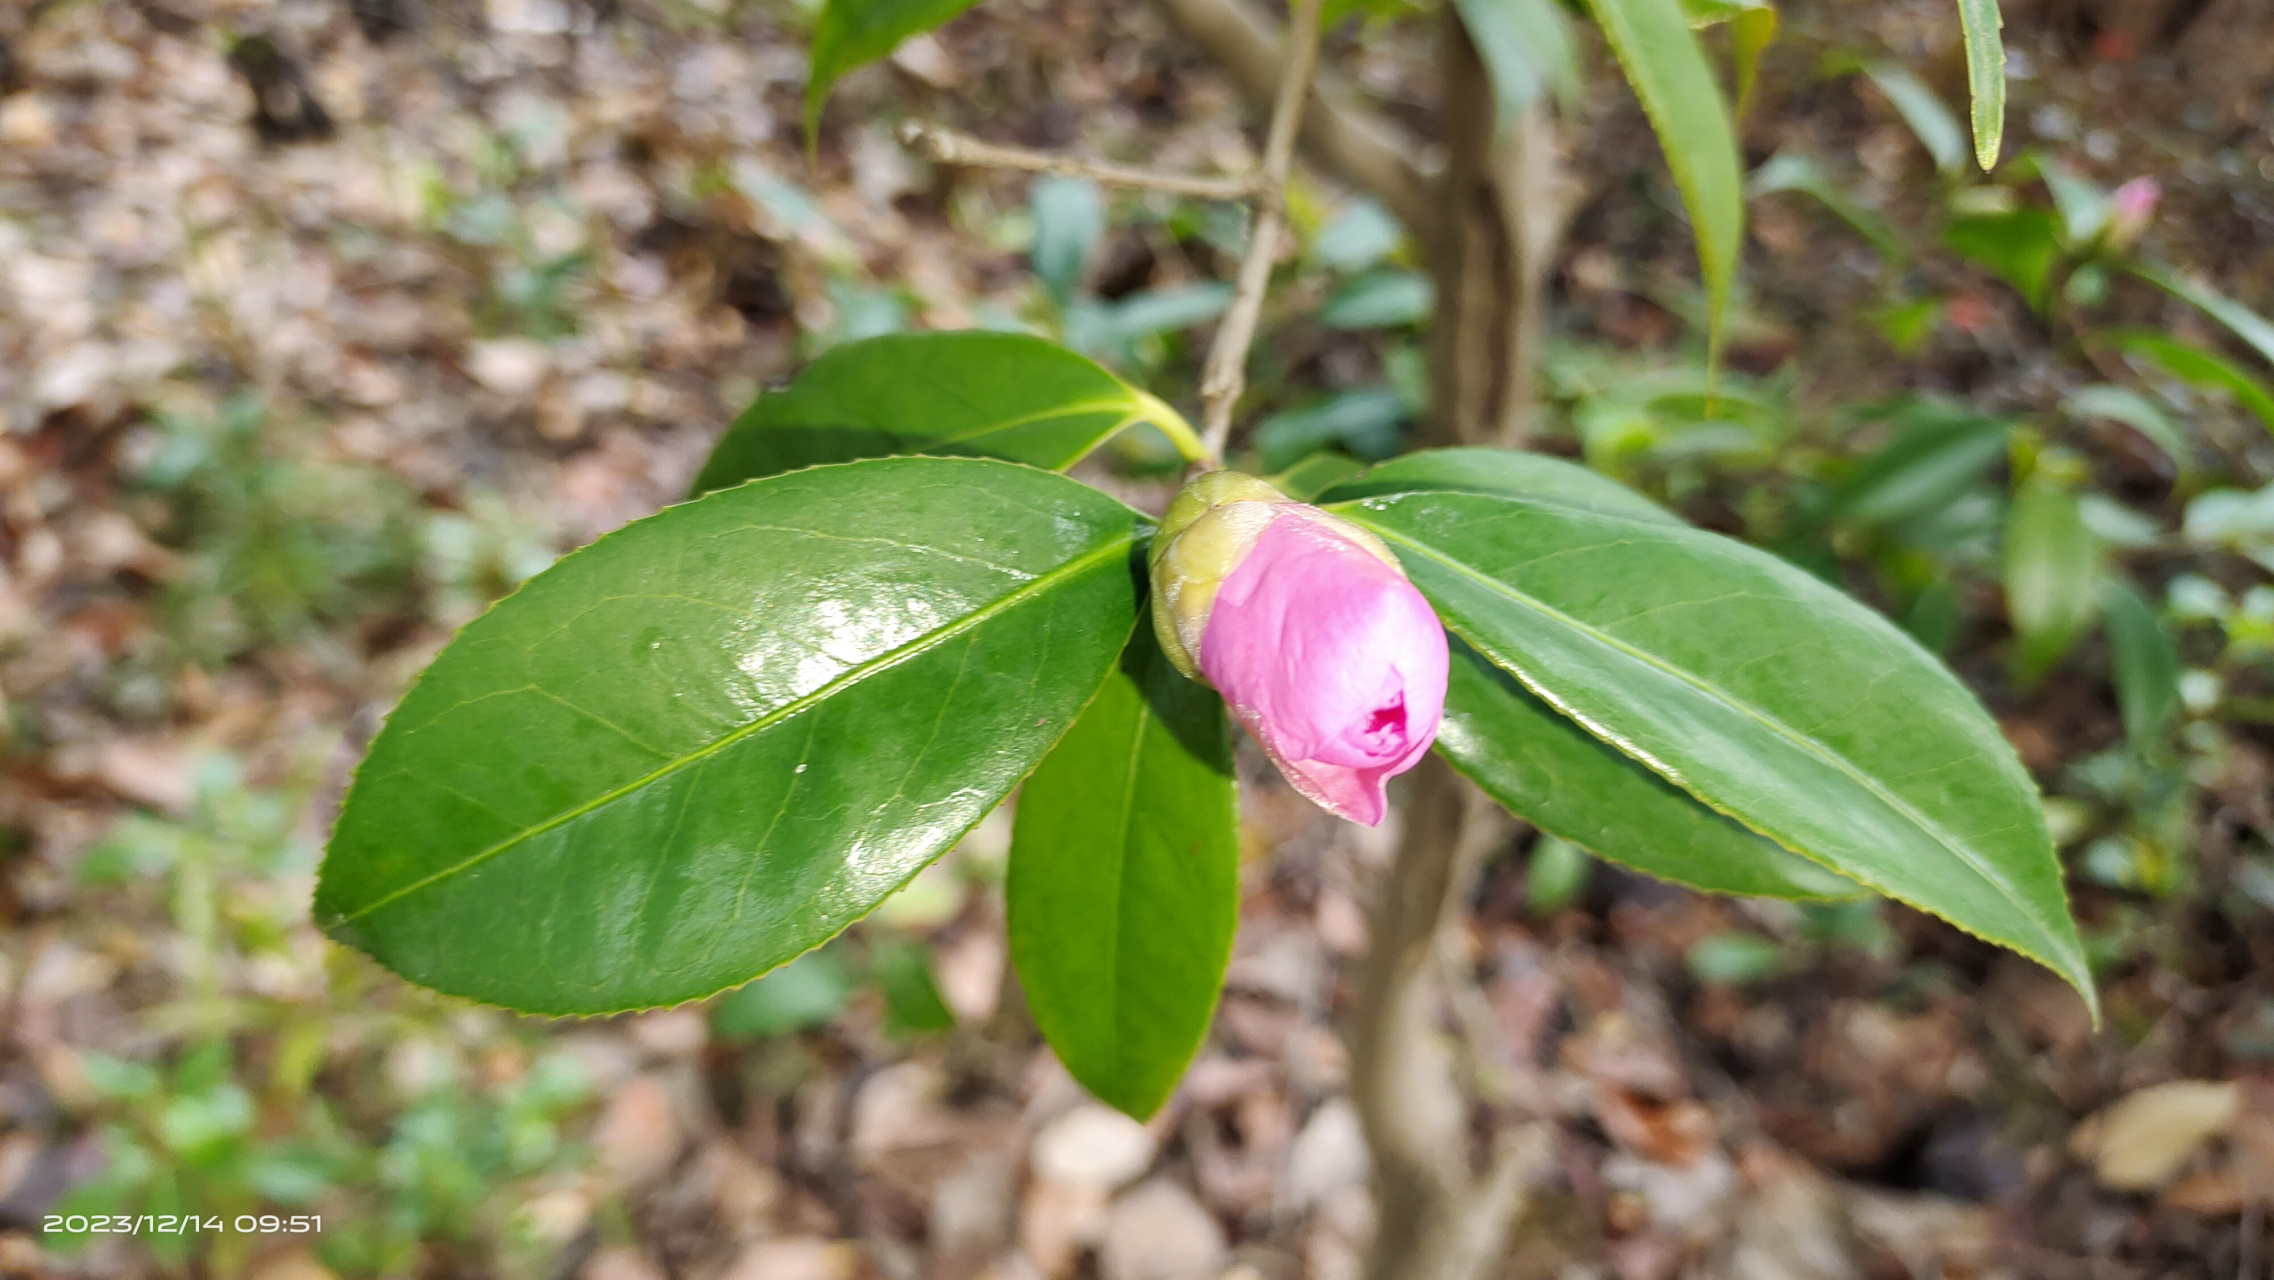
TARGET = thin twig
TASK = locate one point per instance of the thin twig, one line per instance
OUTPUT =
(1343, 134)
(946, 146)
(1225, 376)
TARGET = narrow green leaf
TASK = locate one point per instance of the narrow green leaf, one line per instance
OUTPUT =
(2147, 665)
(1938, 452)
(1667, 66)
(1758, 689)
(1527, 49)
(2194, 365)
(1751, 32)
(2122, 404)
(2240, 320)
(997, 395)
(1799, 172)
(1550, 772)
(1985, 77)
(2052, 572)
(851, 33)
(708, 742)
(1937, 130)
(1124, 881)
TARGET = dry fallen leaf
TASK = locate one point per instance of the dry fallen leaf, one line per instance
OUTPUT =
(2214, 1193)
(2141, 1142)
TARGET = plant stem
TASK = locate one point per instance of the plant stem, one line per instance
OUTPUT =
(946, 146)
(1340, 131)
(1225, 376)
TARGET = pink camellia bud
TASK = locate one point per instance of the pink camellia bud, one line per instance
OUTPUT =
(2130, 209)
(1308, 627)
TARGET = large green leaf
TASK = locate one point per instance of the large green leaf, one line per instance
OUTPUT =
(1667, 66)
(1124, 881)
(1549, 770)
(1503, 472)
(708, 742)
(969, 392)
(1552, 773)
(852, 33)
(1758, 689)
(1985, 77)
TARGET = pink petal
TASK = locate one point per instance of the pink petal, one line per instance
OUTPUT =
(1331, 659)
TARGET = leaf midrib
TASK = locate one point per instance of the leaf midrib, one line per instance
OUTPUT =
(1123, 1060)
(851, 676)
(1777, 727)
(1078, 407)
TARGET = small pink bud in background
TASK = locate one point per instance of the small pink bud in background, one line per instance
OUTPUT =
(1310, 630)
(2131, 209)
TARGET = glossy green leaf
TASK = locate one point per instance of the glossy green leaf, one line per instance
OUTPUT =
(2195, 366)
(2240, 320)
(2122, 404)
(2147, 665)
(708, 742)
(1985, 77)
(1502, 472)
(1316, 474)
(1937, 130)
(1526, 48)
(1758, 689)
(2052, 572)
(969, 392)
(1670, 74)
(1124, 881)
(1547, 770)
(852, 33)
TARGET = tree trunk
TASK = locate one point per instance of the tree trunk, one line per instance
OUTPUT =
(1502, 203)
